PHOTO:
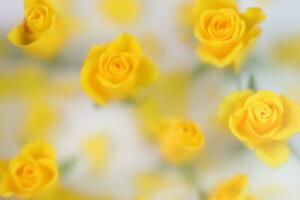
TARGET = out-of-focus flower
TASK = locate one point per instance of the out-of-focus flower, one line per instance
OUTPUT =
(96, 150)
(154, 185)
(32, 83)
(264, 121)
(265, 2)
(27, 83)
(40, 120)
(168, 98)
(151, 44)
(287, 51)
(42, 32)
(180, 141)
(3, 164)
(116, 70)
(61, 192)
(232, 189)
(121, 11)
(225, 34)
(185, 20)
(148, 183)
(34, 169)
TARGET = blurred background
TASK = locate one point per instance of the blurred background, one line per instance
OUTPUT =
(108, 151)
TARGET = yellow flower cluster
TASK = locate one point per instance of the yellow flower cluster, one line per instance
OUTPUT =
(119, 69)
(33, 169)
(264, 121)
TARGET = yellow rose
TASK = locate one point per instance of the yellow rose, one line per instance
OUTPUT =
(32, 170)
(116, 70)
(225, 34)
(264, 121)
(41, 33)
(232, 189)
(180, 141)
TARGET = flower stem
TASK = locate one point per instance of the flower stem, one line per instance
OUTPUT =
(189, 172)
(295, 152)
(238, 82)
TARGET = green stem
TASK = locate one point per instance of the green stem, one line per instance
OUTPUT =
(295, 152)
(189, 172)
(252, 83)
(238, 82)
(198, 71)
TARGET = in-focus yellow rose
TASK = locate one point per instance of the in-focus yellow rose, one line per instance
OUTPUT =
(121, 11)
(116, 70)
(180, 141)
(232, 189)
(42, 33)
(32, 170)
(264, 121)
(225, 34)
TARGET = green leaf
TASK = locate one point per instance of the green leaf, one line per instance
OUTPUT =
(199, 70)
(67, 165)
(96, 105)
(189, 172)
(203, 195)
(130, 101)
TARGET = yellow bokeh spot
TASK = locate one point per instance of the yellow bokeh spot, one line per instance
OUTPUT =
(121, 11)
(96, 150)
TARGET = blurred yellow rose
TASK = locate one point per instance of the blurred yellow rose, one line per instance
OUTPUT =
(61, 192)
(264, 121)
(39, 121)
(154, 185)
(96, 148)
(42, 32)
(32, 170)
(185, 21)
(116, 70)
(287, 51)
(180, 141)
(225, 34)
(121, 11)
(33, 83)
(232, 189)
(168, 97)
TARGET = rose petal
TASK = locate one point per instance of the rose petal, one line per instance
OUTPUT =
(273, 154)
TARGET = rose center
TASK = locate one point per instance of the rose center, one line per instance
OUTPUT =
(263, 113)
(27, 171)
(38, 19)
(189, 134)
(223, 25)
(117, 68)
